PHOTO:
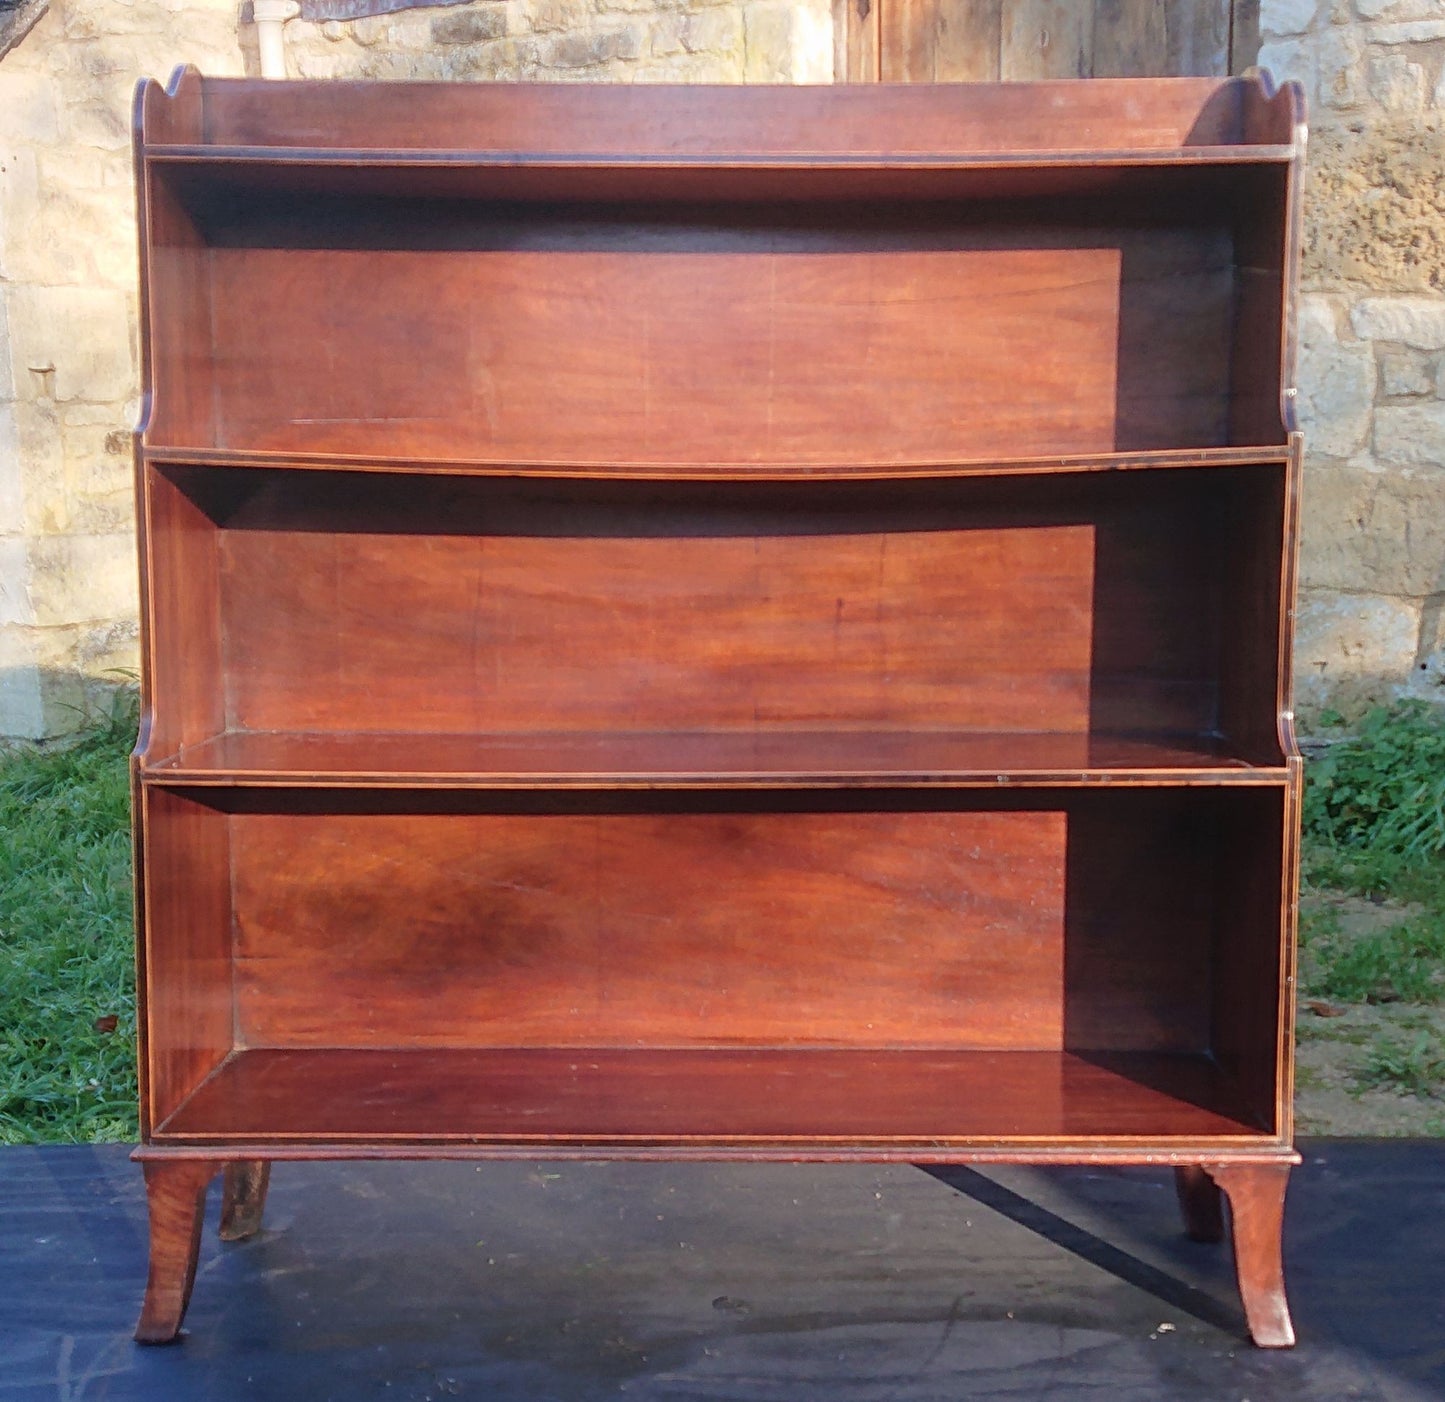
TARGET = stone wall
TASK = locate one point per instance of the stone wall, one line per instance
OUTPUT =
(68, 355)
(1372, 365)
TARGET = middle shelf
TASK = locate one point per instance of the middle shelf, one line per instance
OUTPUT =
(707, 759)
(1045, 628)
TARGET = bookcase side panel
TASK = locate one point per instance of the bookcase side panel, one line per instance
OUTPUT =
(186, 945)
(186, 691)
(1262, 355)
(176, 317)
(1256, 574)
(1253, 950)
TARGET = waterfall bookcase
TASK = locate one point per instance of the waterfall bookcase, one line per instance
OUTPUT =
(698, 623)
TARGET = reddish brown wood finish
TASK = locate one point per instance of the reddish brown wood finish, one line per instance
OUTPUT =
(244, 1198)
(1201, 1204)
(1256, 1212)
(777, 1102)
(690, 623)
(176, 1193)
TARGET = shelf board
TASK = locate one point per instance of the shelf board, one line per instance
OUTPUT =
(583, 177)
(1160, 459)
(701, 1097)
(703, 759)
(482, 160)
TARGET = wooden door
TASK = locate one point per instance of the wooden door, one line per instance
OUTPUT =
(935, 41)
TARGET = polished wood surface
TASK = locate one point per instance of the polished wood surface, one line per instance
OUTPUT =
(686, 621)
(635, 929)
(709, 759)
(887, 122)
(176, 1195)
(789, 1100)
(1256, 1211)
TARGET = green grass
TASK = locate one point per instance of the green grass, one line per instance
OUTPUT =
(1403, 963)
(66, 961)
(1412, 1062)
(1374, 826)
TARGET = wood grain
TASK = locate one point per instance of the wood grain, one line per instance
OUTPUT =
(176, 1194)
(712, 121)
(707, 759)
(1256, 1207)
(684, 929)
(808, 1101)
(666, 366)
(185, 945)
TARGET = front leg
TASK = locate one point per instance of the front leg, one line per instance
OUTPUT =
(176, 1193)
(243, 1198)
(1256, 1209)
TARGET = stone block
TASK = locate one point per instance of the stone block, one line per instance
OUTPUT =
(15, 605)
(1420, 31)
(29, 113)
(83, 578)
(471, 26)
(22, 709)
(12, 468)
(21, 209)
(1336, 392)
(589, 50)
(8, 388)
(713, 31)
(1405, 374)
(40, 465)
(76, 340)
(1397, 84)
(1418, 322)
(1284, 17)
(1411, 434)
(665, 36)
(83, 232)
(1342, 77)
(1370, 531)
(1375, 205)
(557, 16)
(1316, 319)
(1352, 649)
(1397, 9)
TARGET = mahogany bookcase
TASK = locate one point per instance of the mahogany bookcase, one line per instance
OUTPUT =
(717, 623)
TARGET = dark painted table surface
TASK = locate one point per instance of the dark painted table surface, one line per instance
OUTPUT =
(692, 1281)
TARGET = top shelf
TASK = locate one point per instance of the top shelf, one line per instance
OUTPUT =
(1120, 122)
(1175, 177)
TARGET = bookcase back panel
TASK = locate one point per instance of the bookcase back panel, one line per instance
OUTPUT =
(1082, 921)
(354, 603)
(842, 928)
(640, 335)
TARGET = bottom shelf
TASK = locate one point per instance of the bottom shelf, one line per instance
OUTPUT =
(693, 1098)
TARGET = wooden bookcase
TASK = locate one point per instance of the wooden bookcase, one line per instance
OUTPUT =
(717, 623)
